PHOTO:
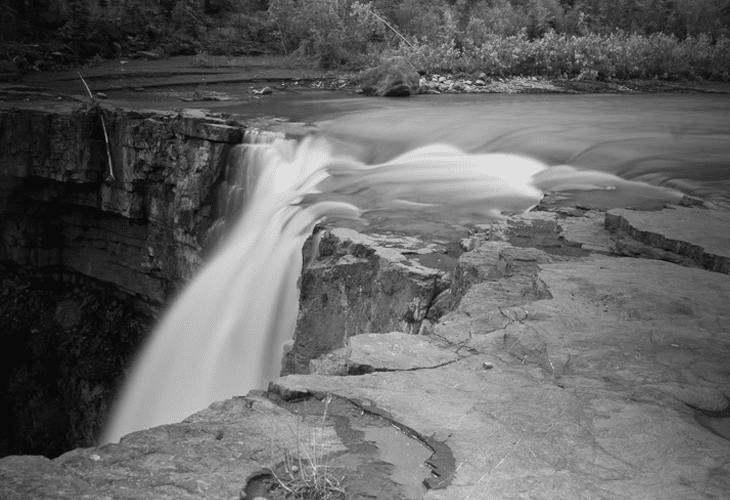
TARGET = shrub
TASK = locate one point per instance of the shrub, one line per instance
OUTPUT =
(336, 32)
(589, 39)
(592, 56)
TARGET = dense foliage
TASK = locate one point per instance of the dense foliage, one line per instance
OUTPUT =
(567, 38)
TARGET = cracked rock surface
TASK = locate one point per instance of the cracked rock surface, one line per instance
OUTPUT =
(373, 352)
(579, 374)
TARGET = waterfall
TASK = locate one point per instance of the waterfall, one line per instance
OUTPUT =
(223, 335)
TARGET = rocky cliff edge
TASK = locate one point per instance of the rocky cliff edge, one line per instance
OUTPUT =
(573, 361)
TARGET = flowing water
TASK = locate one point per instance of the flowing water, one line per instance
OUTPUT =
(223, 336)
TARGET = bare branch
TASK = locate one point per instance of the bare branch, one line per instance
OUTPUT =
(103, 127)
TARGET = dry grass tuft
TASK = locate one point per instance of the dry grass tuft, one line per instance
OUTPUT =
(309, 475)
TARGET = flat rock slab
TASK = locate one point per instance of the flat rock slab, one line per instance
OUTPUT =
(587, 230)
(395, 351)
(703, 235)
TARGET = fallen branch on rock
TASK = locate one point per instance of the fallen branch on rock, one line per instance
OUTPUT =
(110, 175)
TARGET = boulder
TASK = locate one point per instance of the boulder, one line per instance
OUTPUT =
(394, 77)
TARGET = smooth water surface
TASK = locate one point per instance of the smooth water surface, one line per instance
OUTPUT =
(678, 140)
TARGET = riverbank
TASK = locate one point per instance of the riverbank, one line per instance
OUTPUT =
(191, 80)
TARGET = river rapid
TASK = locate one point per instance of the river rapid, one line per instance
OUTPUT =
(458, 159)
(678, 140)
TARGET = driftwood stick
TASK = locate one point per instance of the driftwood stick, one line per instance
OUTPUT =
(103, 127)
(391, 27)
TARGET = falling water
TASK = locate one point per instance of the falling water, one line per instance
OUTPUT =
(223, 335)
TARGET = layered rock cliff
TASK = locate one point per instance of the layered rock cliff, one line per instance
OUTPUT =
(140, 226)
(89, 255)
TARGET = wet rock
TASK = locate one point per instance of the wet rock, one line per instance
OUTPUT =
(394, 77)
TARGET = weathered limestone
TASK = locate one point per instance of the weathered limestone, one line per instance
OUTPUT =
(210, 455)
(700, 236)
(583, 388)
(140, 227)
(372, 352)
(358, 284)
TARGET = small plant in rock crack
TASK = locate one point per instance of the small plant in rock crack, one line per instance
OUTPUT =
(309, 476)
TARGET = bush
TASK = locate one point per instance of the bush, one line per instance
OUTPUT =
(589, 39)
(593, 56)
(336, 32)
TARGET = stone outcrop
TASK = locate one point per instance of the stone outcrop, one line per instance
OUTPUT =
(593, 385)
(141, 226)
(676, 234)
(96, 254)
(361, 283)
(393, 77)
